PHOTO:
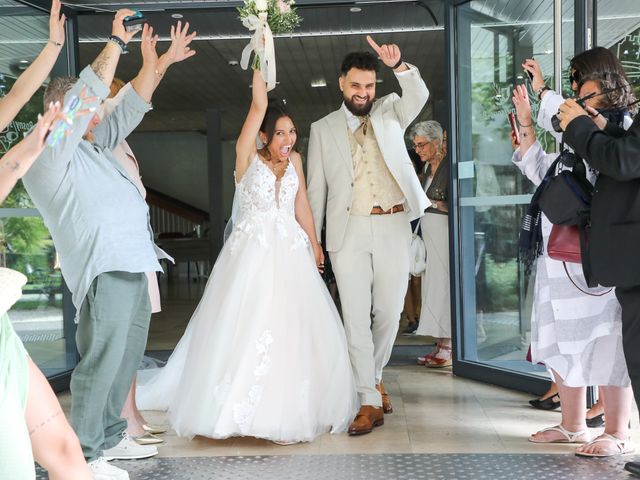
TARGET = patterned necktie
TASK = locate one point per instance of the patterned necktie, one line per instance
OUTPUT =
(361, 131)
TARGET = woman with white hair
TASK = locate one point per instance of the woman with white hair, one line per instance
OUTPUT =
(435, 316)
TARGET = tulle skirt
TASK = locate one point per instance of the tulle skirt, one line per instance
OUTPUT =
(265, 353)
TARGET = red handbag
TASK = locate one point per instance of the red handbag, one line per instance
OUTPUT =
(564, 244)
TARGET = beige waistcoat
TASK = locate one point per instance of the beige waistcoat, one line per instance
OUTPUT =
(373, 185)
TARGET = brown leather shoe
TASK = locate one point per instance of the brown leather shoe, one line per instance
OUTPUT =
(367, 418)
(386, 401)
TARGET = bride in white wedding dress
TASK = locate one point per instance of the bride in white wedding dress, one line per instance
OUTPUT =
(265, 353)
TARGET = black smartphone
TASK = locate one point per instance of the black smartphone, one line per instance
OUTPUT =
(529, 73)
(134, 22)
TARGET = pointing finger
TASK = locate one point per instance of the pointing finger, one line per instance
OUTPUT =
(373, 44)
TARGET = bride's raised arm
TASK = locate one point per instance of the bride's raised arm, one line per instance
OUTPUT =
(246, 144)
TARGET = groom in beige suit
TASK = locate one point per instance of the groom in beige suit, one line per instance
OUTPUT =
(361, 177)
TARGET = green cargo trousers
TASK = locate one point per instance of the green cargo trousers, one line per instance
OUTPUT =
(111, 338)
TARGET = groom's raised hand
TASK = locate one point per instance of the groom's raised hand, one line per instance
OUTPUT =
(388, 54)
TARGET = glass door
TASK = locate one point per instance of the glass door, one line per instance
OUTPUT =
(493, 295)
(40, 318)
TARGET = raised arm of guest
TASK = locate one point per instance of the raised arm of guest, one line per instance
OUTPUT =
(246, 143)
(82, 97)
(15, 163)
(529, 157)
(33, 77)
(135, 102)
(179, 49)
(550, 100)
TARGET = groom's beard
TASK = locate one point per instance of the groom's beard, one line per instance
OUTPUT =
(357, 109)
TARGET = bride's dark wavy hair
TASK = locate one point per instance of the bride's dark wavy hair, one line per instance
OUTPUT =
(276, 109)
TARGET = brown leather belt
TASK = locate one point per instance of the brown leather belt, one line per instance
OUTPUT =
(394, 209)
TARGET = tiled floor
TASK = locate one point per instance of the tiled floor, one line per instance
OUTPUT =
(443, 427)
(378, 467)
(435, 415)
(434, 412)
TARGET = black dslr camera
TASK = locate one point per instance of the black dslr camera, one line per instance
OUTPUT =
(555, 122)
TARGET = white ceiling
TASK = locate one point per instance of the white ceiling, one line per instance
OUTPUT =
(315, 50)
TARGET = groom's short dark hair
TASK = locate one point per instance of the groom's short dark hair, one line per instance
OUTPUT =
(361, 61)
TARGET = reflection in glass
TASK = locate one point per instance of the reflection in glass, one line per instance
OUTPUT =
(26, 246)
(496, 295)
(25, 243)
(503, 300)
(619, 30)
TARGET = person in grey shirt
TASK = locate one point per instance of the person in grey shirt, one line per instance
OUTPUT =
(99, 223)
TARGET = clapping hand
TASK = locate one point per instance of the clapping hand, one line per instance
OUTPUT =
(179, 49)
(523, 106)
(148, 46)
(56, 24)
(388, 54)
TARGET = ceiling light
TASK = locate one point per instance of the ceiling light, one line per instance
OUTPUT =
(379, 80)
(177, 16)
(24, 61)
(233, 63)
(355, 9)
(319, 83)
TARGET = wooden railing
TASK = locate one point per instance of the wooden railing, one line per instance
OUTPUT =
(172, 216)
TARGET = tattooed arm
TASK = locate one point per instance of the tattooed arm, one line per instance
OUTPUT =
(106, 62)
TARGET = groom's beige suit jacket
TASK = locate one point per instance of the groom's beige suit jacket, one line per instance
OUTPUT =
(330, 169)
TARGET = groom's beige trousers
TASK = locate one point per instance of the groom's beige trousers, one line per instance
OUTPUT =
(371, 269)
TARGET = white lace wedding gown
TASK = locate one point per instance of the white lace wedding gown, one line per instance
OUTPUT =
(265, 353)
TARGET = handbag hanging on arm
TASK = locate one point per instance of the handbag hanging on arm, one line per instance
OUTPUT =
(566, 201)
(418, 253)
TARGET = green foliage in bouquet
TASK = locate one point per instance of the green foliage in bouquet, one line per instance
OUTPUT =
(281, 15)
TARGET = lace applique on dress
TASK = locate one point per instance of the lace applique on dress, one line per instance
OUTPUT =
(243, 412)
(263, 199)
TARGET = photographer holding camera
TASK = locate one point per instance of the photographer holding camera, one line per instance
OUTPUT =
(578, 349)
(615, 214)
(596, 61)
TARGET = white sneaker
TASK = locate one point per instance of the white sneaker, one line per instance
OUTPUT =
(128, 449)
(101, 470)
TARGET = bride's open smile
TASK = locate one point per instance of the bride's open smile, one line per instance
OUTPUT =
(283, 140)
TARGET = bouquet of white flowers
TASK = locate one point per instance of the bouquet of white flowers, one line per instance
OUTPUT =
(266, 18)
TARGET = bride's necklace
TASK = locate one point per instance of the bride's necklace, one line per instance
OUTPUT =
(278, 168)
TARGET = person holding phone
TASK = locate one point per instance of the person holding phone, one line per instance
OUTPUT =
(575, 332)
(105, 255)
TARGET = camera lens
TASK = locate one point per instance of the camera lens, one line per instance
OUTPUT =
(555, 122)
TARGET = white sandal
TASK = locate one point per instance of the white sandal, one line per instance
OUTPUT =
(623, 446)
(569, 437)
(283, 443)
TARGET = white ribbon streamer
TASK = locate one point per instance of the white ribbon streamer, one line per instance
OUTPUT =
(262, 44)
